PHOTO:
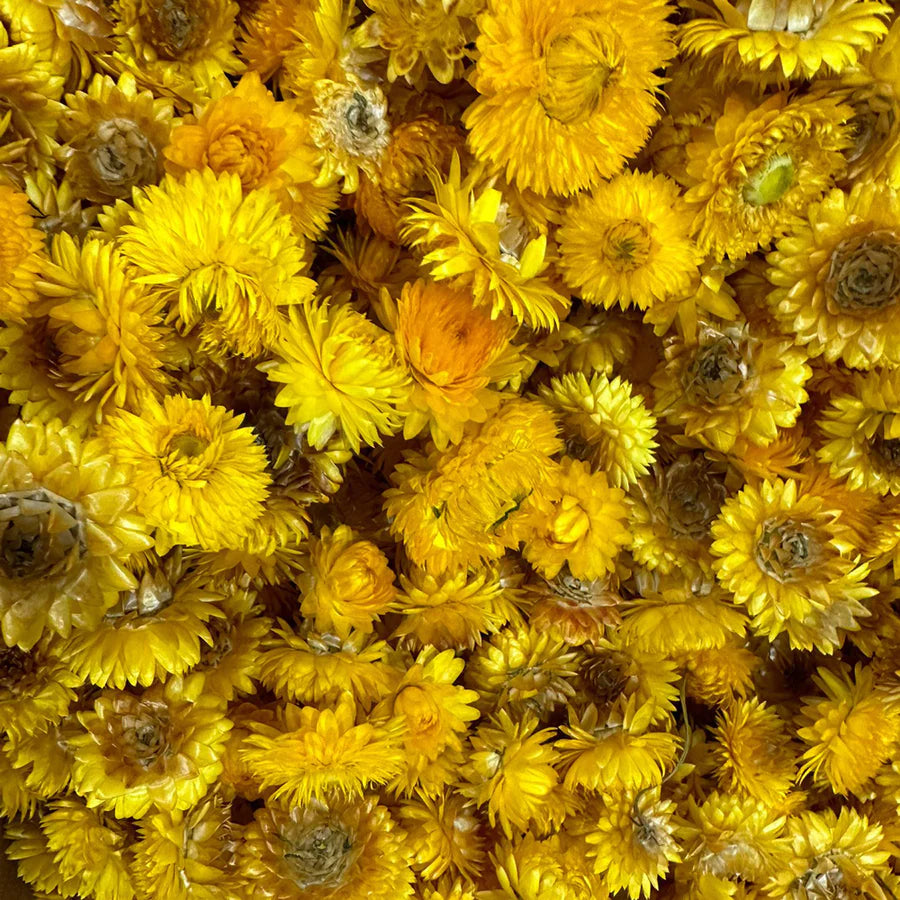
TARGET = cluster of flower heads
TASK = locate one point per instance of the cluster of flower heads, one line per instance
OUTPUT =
(450, 449)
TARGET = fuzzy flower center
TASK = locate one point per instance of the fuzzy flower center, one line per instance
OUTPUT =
(718, 368)
(694, 497)
(172, 26)
(864, 273)
(39, 532)
(120, 155)
(579, 64)
(626, 246)
(786, 549)
(770, 182)
(319, 855)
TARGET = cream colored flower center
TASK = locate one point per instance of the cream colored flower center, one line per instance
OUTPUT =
(786, 549)
(39, 532)
(770, 182)
(320, 856)
(143, 738)
(172, 26)
(579, 64)
(800, 17)
(120, 155)
(864, 273)
(718, 368)
(356, 122)
(579, 593)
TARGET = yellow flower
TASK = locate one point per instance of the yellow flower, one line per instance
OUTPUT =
(510, 770)
(616, 753)
(464, 506)
(597, 340)
(607, 424)
(87, 847)
(436, 714)
(43, 762)
(109, 340)
(455, 611)
(832, 853)
(861, 434)
(36, 689)
(181, 46)
(671, 515)
(681, 618)
(185, 855)
(522, 669)
(580, 521)
(835, 278)
(633, 842)
(201, 477)
(268, 31)
(785, 555)
(850, 733)
(159, 749)
(755, 173)
(732, 838)
(308, 667)
(67, 529)
(348, 849)
(471, 239)
(17, 800)
(628, 242)
(718, 675)
(455, 352)
(36, 867)
(416, 34)
(317, 752)
(113, 137)
(732, 383)
(264, 142)
(154, 630)
(339, 370)
(568, 89)
(796, 40)
(21, 256)
(754, 756)
(443, 835)
(227, 264)
(347, 585)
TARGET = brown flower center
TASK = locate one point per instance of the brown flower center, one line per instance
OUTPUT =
(320, 856)
(121, 157)
(144, 737)
(785, 549)
(579, 593)
(172, 26)
(605, 672)
(865, 272)
(15, 664)
(39, 532)
(718, 368)
(694, 496)
(221, 646)
(886, 453)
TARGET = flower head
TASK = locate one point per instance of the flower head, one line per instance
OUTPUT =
(201, 477)
(628, 242)
(20, 260)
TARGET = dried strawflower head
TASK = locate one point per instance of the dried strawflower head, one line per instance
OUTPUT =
(21, 256)
(112, 138)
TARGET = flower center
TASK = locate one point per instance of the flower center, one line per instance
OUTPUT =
(718, 368)
(571, 523)
(221, 646)
(15, 664)
(320, 856)
(244, 150)
(419, 708)
(121, 156)
(865, 272)
(627, 245)
(39, 532)
(605, 672)
(143, 738)
(579, 593)
(172, 26)
(188, 444)
(785, 549)
(355, 121)
(887, 453)
(579, 64)
(694, 497)
(770, 182)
